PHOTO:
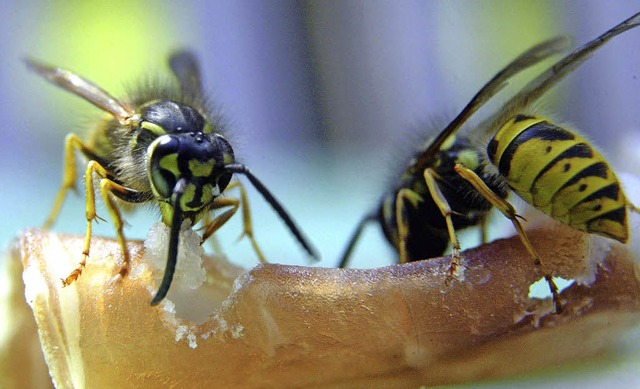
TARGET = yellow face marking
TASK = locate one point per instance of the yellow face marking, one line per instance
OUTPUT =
(170, 163)
(201, 169)
(154, 128)
(188, 196)
(207, 194)
(208, 129)
(166, 210)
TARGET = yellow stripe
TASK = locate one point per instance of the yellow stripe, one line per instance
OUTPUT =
(546, 187)
(187, 197)
(610, 229)
(154, 128)
(201, 169)
(507, 133)
(530, 158)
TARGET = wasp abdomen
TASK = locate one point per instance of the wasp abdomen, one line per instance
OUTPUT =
(561, 174)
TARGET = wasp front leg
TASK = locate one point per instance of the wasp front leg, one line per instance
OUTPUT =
(71, 143)
(219, 221)
(214, 243)
(445, 209)
(508, 211)
(107, 189)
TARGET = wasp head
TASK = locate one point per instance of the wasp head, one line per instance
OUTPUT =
(186, 149)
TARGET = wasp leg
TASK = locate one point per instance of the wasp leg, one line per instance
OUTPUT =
(445, 209)
(70, 175)
(355, 237)
(484, 235)
(214, 243)
(247, 223)
(107, 187)
(403, 197)
(507, 210)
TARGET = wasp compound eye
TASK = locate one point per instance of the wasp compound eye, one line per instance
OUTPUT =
(163, 166)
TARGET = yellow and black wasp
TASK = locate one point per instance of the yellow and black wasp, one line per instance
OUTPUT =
(162, 145)
(452, 184)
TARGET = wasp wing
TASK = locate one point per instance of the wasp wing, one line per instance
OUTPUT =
(185, 67)
(527, 59)
(541, 84)
(84, 88)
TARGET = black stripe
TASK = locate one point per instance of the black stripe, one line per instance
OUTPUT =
(542, 130)
(196, 202)
(581, 150)
(599, 169)
(619, 216)
(612, 191)
(492, 147)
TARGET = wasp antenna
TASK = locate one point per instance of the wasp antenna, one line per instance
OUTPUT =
(174, 239)
(371, 217)
(86, 89)
(242, 169)
(185, 67)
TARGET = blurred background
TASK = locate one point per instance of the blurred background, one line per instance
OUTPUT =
(325, 100)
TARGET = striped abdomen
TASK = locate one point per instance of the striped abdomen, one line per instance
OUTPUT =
(561, 174)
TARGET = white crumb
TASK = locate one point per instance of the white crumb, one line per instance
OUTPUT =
(189, 270)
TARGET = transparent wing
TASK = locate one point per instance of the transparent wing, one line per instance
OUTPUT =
(83, 88)
(541, 84)
(527, 59)
(185, 67)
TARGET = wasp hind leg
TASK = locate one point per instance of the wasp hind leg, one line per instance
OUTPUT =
(107, 189)
(219, 221)
(445, 209)
(508, 211)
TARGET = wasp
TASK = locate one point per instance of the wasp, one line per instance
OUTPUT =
(452, 183)
(162, 146)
